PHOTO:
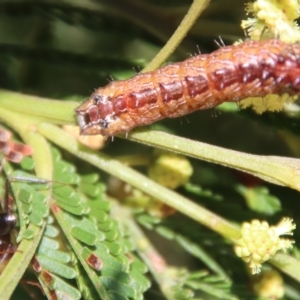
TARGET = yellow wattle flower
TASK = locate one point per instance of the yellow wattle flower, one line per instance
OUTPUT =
(259, 242)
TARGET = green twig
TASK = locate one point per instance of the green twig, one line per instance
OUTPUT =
(119, 170)
(287, 264)
(278, 170)
(54, 111)
(188, 21)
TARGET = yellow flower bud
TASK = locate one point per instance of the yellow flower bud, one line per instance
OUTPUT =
(269, 285)
(259, 242)
(171, 170)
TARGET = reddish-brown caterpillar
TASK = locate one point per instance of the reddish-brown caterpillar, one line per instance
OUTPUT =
(231, 73)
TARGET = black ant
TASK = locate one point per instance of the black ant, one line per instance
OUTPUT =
(7, 223)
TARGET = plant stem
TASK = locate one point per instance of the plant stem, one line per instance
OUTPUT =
(287, 264)
(277, 170)
(140, 181)
(54, 111)
(188, 21)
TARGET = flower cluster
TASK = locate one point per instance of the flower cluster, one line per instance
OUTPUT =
(273, 18)
(259, 242)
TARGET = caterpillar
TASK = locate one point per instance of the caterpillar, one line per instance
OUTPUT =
(231, 73)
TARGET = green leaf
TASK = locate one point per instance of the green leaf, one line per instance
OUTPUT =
(259, 199)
